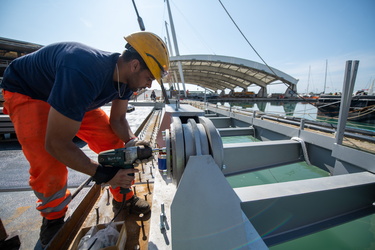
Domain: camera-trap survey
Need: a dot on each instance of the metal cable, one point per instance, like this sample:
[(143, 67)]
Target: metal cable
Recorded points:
[(304, 149), (243, 35)]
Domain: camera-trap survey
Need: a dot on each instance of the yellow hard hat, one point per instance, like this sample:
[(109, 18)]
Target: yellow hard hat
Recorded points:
[(152, 50)]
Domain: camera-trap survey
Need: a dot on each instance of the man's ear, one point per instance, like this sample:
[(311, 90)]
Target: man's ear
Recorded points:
[(135, 65)]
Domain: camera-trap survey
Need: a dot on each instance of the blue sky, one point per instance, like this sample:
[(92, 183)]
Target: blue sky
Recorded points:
[(290, 35)]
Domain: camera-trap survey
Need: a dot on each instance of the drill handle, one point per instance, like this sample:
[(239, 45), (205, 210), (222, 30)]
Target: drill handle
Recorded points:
[(127, 190)]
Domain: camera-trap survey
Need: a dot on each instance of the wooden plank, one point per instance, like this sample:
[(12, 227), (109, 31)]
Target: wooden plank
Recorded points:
[(138, 237), (65, 236), (3, 234)]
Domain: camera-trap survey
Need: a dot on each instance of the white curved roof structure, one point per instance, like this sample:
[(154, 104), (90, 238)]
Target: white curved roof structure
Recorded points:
[(223, 72)]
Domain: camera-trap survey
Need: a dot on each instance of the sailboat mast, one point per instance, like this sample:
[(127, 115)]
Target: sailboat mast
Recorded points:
[(371, 89), (169, 40), (308, 81), (325, 78)]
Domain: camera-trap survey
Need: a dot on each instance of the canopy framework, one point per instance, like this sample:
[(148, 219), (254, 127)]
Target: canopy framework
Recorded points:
[(222, 72)]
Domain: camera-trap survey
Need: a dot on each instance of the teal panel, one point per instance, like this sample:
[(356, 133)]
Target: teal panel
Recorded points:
[(291, 172), (358, 234), (238, 139)]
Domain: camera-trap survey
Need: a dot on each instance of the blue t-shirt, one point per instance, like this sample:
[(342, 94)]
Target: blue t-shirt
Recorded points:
[(73, 78)]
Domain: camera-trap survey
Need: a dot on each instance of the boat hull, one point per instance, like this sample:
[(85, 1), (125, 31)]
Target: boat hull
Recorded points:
[(362, 108)]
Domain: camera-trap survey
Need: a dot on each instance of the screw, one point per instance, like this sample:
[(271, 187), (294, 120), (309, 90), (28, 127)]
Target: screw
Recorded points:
[(148, 187), (151, 173), (162, 218), (108, 203), (97, 215), (143, 231), (143, 228), (162, 227), (162, 209)]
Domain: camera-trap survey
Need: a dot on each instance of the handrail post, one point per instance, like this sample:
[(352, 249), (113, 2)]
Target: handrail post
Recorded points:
[(346, 97)]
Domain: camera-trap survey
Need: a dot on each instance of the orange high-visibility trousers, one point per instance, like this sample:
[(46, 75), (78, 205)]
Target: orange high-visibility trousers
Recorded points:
[(48, 176)]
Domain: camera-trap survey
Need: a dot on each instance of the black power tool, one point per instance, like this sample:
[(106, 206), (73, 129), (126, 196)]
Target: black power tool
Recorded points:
[(125, 158)]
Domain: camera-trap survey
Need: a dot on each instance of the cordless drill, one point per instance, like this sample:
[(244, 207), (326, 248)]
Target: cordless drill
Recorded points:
[(124, 158)]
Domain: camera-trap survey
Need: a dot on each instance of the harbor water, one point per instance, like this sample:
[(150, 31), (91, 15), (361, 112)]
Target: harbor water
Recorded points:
[(358, 234), (303, 110)]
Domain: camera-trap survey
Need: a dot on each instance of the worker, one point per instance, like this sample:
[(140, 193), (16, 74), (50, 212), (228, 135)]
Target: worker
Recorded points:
[(55, 94), (153, 95)]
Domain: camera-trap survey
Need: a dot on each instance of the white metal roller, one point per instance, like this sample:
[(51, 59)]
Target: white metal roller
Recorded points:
[(214, 139), (178, 149), (190, 139), (196, 136), (204, 141), (168, 151)]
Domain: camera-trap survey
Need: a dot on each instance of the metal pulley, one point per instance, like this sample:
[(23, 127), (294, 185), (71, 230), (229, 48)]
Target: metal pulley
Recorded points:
[(197, 136)]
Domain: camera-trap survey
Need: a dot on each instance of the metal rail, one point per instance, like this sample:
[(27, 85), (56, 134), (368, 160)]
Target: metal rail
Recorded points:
[(355, 135)]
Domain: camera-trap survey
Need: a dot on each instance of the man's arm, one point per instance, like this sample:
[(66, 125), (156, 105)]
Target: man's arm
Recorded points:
[(119, 124), (60, 132)]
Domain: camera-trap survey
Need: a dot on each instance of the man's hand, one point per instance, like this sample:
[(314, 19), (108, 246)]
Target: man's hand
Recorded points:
[(115, 176), (123, 179), (136, 142)]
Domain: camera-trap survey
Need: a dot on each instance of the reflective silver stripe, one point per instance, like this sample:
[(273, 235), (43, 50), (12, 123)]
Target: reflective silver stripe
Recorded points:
[(59, 194), (60, 207), (45, 200)]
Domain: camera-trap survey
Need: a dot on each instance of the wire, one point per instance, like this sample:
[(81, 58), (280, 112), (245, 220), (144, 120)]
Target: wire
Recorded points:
[(243, 35), (246, 38), (366, 111), (121, 207), (195, 31)]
